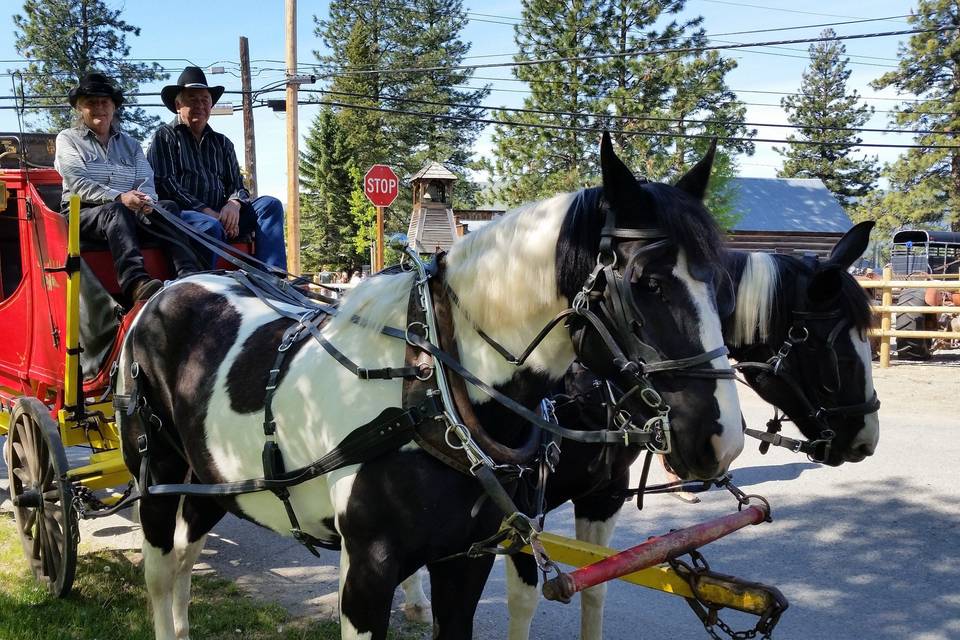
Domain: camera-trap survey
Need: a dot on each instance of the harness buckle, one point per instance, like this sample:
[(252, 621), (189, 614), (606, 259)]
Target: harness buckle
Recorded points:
[(803, 336), (406, 332)]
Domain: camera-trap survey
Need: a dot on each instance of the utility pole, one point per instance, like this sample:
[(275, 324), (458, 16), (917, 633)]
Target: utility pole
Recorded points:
[(249, 139), (293, 144)]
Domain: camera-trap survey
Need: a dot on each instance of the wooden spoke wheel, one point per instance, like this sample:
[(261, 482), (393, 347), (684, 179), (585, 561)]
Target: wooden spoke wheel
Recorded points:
[(42, 496)]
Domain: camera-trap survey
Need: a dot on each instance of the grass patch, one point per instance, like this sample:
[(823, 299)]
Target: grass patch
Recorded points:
[(109, 602)]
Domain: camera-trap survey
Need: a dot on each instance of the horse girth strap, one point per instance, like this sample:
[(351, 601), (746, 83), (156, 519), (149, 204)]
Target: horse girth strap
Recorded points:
[(387, 432)]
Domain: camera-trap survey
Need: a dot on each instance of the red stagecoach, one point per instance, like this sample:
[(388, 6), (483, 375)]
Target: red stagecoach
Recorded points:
[(53, 393)]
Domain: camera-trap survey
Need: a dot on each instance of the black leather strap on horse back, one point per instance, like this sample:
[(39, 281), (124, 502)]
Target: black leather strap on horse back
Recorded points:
[(389, 431)]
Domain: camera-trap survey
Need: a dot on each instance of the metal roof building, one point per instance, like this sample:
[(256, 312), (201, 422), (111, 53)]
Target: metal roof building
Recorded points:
[(786, 215)]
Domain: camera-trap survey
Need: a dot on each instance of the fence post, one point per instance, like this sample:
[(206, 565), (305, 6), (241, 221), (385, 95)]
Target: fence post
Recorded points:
[(887, 301)]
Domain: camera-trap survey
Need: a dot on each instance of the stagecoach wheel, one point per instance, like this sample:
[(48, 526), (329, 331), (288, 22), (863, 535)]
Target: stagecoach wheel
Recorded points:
[(41, 496)]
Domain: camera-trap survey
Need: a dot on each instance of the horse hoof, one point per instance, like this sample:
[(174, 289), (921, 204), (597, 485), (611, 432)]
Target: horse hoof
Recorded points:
[(418, 613), (686, 496)]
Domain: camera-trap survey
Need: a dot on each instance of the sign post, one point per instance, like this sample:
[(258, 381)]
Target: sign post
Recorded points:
[(381, 186)]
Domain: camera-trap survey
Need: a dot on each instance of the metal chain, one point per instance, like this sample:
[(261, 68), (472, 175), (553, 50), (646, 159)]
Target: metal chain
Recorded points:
[(84, 499), (710, 616)]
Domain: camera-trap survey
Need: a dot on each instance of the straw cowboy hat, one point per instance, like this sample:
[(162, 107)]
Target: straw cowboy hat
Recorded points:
[(191, 78), (95, 83)]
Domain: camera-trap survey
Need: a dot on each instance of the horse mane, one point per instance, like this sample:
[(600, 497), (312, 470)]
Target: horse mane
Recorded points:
[(756, 294), (853, 300), (377, 302), (767, 292), (506, 267), (682, 218)]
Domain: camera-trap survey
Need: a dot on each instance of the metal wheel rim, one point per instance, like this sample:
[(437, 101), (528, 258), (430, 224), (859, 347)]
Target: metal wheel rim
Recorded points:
[(48, 532)]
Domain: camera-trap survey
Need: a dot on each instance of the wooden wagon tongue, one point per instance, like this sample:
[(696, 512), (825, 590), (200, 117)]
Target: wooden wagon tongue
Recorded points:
[(652, 552)]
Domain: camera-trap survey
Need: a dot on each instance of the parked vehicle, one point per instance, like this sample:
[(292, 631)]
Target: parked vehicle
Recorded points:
[(921, 254)]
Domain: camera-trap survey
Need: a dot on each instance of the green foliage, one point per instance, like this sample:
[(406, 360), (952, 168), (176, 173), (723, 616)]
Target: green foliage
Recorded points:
[(63, 39), (328, 229), (668, 91), (368, 36), (822, 107), (925, 182), (363, 214), (109, 602)]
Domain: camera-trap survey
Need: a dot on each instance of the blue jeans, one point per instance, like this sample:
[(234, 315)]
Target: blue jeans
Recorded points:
[(208, 225), (269, 245)]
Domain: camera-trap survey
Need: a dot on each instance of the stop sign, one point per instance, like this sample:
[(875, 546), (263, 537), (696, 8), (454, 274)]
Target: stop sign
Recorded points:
[(381, 185)]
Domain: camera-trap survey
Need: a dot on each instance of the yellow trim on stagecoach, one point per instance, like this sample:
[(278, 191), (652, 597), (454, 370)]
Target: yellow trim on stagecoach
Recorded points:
[(71, 374)]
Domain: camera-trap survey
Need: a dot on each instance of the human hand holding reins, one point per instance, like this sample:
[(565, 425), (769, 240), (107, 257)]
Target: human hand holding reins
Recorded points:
[(136, 201), (230, 218)]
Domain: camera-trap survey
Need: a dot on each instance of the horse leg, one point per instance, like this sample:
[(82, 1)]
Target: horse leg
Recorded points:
[(158, 517), (368, 580), (197, 517), (596, 517), (456, 585), (416, 606), (522, 594)]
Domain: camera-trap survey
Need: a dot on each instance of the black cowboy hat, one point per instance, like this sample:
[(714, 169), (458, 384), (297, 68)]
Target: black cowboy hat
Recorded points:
[(191, 78), (95, 83)]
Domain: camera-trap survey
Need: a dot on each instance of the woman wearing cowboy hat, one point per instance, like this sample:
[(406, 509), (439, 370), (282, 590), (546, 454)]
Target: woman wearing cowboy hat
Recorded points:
[(108, 170)]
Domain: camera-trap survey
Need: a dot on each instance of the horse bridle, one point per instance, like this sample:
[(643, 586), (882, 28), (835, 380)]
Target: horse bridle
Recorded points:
[(609, 289), (798, 336)]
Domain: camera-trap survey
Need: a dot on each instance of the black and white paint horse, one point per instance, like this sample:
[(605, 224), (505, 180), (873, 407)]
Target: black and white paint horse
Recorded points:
[(203, 346), (776, 296)]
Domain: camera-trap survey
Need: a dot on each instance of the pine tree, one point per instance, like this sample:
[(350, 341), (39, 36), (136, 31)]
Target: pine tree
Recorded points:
[(531, 162), (827, 113), (925, 182), (644, 96), (365, 38), (64, 39), (425, 38), (327, 227)]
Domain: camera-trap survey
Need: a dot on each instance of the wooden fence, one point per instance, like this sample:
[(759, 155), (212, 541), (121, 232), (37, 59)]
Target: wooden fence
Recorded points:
[(887, 309)]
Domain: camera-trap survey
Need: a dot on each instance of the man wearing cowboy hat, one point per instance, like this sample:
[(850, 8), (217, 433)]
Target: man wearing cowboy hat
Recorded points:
[(197, 168), (108, 170)]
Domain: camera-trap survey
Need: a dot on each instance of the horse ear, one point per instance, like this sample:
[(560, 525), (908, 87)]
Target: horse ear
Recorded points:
[(695, 181), (826, 283), (618, 181), (852, 245)]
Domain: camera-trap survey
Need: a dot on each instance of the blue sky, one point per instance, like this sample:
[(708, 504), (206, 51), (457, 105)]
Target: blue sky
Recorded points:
[(178, 32)]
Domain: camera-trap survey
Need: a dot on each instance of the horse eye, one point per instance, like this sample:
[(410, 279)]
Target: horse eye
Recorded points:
[(651, 285)]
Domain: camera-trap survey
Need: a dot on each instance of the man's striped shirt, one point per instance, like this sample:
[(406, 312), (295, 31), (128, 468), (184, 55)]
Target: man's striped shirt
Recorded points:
[(100, 174), (195, 174)]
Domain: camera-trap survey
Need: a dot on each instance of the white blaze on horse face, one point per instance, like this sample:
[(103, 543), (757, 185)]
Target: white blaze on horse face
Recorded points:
[(728, 444), (866, 441)]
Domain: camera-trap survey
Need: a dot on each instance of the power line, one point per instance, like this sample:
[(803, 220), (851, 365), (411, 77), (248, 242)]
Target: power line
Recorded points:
[(571, 114), (631, 118), (759, 6), (649, 134), (642, 52)]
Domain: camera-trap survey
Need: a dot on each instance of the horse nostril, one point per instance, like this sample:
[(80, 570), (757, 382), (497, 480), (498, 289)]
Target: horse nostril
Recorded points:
[(863, 450)]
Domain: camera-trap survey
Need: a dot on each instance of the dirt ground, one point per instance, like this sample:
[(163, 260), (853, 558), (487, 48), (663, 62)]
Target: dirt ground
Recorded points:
[(929, 384)]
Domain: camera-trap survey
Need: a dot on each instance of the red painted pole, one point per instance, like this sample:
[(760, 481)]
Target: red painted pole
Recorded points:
[(652, 552)]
